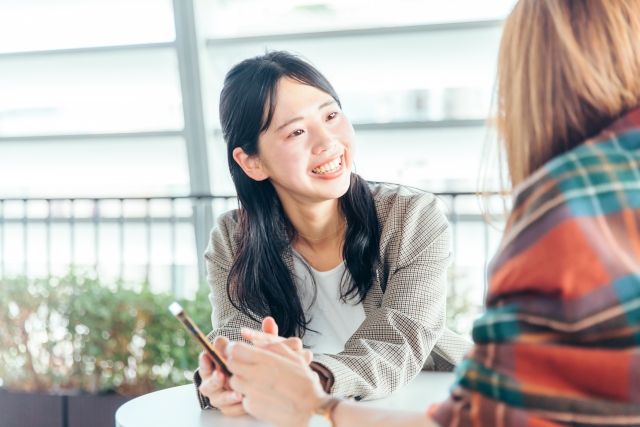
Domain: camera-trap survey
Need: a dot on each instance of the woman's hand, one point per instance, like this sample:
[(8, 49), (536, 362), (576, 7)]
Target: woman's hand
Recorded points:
[(269, 335), (215, 384), (276, 381)]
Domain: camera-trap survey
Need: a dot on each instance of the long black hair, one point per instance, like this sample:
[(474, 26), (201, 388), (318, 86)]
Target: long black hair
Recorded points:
[(259, 283)]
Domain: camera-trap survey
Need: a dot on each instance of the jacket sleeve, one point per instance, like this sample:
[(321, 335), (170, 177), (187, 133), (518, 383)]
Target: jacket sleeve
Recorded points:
[(393, 343), (225, 318)]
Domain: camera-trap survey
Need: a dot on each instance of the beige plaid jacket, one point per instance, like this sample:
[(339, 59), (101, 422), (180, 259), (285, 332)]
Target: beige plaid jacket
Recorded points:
[(404, 330)]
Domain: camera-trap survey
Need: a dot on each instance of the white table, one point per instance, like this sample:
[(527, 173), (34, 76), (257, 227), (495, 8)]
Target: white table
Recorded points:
[(178, 406)]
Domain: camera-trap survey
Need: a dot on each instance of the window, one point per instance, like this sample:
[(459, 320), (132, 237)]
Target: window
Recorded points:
[(101, 92), (36, 25), (223, 18)]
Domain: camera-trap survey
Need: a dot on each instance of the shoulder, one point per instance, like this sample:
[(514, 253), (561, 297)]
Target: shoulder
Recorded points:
[(399, 202), (228, 221), (410, 220), (223, 239)]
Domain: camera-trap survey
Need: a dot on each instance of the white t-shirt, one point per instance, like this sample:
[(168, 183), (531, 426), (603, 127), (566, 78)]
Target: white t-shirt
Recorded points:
[(333, 320)]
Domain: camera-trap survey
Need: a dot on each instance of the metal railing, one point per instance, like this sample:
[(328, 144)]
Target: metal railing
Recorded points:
[(53, 212), (89, 216)]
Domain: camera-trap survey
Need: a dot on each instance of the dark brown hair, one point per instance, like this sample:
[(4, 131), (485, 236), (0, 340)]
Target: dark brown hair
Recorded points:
[(259, 283)]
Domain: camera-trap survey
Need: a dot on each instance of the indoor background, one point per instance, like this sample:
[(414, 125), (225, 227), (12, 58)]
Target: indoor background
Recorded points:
[(111, 157)]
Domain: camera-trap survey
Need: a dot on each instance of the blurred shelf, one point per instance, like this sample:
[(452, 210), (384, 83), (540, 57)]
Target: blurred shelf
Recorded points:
[(81, 50), (420, 124), (378, 31), (90, 136)]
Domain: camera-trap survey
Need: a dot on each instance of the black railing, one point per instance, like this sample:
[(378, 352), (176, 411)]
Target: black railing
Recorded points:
[(91, 216)]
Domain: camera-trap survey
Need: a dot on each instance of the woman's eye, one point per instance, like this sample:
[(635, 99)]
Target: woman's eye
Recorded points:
[(332, 116), (297, 132)]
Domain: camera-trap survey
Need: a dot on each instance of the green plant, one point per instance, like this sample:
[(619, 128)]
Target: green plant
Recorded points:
[(76, 334)]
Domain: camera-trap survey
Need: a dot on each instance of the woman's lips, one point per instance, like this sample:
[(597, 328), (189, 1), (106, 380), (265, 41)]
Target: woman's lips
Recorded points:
[(332, 169), (328, 166)]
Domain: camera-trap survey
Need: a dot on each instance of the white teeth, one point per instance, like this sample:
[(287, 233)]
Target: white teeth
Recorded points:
[(328, 167)]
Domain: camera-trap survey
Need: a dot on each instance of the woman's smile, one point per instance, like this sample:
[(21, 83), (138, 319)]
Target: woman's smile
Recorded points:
[(329, 169)]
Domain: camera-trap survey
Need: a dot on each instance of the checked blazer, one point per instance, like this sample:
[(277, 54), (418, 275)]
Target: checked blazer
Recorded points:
[(404, 330)]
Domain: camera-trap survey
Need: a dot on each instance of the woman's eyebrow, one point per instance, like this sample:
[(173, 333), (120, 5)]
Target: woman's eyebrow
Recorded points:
[(329, 102), (288, 122), (295, 119)]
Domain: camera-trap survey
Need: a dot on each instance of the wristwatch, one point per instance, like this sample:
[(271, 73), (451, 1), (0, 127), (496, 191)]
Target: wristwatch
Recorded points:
[(321, 416)]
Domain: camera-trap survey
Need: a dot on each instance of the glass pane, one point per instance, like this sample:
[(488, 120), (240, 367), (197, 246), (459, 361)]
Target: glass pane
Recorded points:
[(436, 160), (421, 76), (256, 17), (450, 103), (124, 167), (28, 25), (127, 91)]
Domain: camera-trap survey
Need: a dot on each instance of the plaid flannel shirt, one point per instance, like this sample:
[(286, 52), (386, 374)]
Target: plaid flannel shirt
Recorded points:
[(404, 329), (560, 341)]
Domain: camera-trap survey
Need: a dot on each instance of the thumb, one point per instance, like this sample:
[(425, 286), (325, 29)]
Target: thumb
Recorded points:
[(269, 326), (308, 356)]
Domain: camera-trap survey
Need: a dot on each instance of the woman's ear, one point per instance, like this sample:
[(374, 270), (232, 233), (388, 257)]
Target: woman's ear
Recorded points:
[(250, 165)]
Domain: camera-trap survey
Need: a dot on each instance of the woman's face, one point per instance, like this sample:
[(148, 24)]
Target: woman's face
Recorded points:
[(307, 152)]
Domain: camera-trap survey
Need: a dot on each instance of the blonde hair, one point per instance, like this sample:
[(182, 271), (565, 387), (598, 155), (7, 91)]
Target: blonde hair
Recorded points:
[(566, 69)]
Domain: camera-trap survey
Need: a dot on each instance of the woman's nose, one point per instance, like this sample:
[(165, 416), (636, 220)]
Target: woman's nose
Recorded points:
[(323, 140)]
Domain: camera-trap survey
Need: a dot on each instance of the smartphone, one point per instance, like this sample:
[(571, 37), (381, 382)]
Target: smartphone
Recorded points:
[(177, 311)]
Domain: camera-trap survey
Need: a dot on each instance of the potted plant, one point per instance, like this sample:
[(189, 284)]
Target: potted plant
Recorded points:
[(73, 349)]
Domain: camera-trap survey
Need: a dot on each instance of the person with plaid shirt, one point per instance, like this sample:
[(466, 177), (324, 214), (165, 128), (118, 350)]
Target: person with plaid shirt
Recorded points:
[(559, 343)]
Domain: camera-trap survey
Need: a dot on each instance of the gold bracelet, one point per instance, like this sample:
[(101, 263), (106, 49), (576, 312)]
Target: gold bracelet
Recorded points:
[(326, 409)]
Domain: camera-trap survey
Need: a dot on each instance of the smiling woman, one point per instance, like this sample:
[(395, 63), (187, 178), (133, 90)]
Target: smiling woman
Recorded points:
[(355, 269)]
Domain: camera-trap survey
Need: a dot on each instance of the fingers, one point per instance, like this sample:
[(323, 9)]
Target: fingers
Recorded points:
[(294, 344), (269, 332), (269, 326), (244, 353), (257, 337), (224, 398), (249, 355), (212, 385), (228, 398), (220, 343), (253, 363), (261, 365), (228, 401), (206, 366), (308, 356), (261, 339), (233, 410), (239, 384), (283, 349)]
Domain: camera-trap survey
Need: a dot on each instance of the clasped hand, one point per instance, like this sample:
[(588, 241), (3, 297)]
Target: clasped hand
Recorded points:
[(258, 385)]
